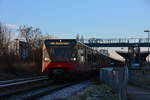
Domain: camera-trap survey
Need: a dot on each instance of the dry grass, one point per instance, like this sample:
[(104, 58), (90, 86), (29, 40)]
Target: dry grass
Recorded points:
[(95, 92), (22, 69)]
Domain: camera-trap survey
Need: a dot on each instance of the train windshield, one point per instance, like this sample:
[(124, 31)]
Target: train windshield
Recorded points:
[(60, 54), (61, 50)]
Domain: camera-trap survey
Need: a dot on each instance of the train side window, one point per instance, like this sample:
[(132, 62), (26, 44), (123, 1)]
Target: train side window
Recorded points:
[(81, 52), (81, 55), (89, 58)]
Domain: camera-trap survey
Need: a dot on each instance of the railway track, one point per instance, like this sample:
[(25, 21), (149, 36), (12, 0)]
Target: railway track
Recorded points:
[(18, 86), (29, 89), (22, 79)]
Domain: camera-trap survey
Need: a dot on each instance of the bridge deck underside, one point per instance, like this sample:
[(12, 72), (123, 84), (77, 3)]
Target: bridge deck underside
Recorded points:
[(126, 55)]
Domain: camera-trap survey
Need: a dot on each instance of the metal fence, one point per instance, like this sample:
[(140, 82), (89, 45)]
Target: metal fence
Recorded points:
[(117, 78), (140, 77)]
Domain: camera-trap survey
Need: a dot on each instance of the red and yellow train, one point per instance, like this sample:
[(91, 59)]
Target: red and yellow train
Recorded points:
[(68, 56)]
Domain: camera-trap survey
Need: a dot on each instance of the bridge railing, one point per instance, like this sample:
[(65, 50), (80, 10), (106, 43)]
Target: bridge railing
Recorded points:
[(121, 40)]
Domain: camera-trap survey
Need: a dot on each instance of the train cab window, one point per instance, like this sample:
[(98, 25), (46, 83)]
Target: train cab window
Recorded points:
[(60, 53), (73, 54)]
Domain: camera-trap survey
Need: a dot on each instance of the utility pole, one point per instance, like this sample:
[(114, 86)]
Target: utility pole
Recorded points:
[(148, 31)]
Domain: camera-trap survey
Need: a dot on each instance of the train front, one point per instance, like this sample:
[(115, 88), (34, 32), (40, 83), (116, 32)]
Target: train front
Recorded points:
[(59, 57)]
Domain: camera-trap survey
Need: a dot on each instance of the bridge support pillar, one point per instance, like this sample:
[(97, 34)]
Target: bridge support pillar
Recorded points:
[(134, 57)]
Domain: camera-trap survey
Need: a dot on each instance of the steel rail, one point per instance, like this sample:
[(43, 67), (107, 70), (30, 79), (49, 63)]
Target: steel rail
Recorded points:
[(10, 89), (20, 79), (23, 81), (40, 91)]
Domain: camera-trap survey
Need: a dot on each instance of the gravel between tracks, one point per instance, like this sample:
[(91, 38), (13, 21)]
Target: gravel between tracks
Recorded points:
[(66, 92), (84, 91)]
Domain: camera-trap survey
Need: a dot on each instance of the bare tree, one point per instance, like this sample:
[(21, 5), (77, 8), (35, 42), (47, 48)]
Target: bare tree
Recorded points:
[(6, 59), (4, 38), (33, 36), (77, 37), (47, 36), (1, 35), (82, 39)]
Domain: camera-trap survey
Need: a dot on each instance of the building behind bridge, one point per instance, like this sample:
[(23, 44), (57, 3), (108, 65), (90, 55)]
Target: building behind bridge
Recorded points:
[(19, 48)]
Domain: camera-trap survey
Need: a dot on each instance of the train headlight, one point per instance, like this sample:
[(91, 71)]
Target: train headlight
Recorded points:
[(46, 59), (74, 59)]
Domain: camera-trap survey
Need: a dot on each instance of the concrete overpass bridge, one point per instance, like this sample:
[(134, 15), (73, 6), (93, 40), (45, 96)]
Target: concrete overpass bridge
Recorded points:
[(133, 56)]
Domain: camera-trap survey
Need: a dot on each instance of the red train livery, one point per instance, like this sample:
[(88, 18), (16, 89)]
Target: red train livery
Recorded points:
[(68, 56)]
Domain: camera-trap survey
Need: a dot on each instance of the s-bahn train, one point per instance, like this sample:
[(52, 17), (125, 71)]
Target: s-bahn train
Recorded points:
[(67, 57)]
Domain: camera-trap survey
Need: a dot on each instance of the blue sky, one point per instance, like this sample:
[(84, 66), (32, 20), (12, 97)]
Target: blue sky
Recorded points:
[(90, 18)]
